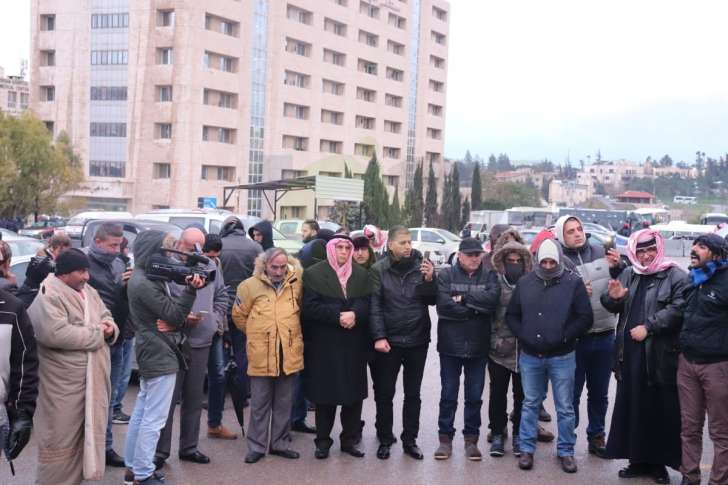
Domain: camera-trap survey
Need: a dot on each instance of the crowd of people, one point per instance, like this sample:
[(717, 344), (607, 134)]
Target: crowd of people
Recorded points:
[(285, 333)]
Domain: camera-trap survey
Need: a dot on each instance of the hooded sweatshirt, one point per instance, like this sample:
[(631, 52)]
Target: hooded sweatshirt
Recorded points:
[(266, 228), (591, 264)]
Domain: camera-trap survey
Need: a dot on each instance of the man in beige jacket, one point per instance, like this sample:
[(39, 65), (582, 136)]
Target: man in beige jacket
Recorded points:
[(72, 328)]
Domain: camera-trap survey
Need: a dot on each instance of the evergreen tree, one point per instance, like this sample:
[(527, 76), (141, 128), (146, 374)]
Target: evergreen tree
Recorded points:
[(413, 207), (466, 213), (476, 194), (456, 200), (347, 171), (376, 200), (446, 208), (468, 157), (395, 211), (430, 211), (492, 163)]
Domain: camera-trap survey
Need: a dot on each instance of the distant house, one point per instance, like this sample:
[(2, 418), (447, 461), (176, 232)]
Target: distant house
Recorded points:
[(636, 197)]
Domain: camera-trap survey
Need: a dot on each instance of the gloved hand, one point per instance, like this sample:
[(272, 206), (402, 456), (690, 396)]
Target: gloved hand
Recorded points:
[(21, 425)]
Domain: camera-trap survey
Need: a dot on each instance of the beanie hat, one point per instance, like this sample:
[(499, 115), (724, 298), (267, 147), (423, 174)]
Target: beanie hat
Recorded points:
[(72, 260), (714, 242), (360, 242), (549, 250)]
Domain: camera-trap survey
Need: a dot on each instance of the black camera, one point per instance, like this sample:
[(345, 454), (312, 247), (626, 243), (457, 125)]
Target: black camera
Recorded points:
[(161, 267)]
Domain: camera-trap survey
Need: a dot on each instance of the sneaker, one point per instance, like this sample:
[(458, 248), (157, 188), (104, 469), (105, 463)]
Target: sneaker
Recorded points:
[(129, 477), (516, 445), (496, 448), (120, 417)]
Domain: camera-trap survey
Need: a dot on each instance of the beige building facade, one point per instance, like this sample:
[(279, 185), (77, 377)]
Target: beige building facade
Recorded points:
[(14, 94), (168, 101)]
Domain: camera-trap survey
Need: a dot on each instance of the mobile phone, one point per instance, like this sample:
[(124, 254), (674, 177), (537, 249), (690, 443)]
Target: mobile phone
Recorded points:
[(427, 255)]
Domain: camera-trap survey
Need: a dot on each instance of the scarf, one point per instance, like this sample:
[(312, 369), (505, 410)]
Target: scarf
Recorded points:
[(703, 273), (659, 263), (100, 255), (343, 272)]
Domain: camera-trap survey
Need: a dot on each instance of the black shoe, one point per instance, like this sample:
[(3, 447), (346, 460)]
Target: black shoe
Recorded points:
[(129, 477), (195, 457), (598, 445), (413, 450), (159, 462), (525, 461), (253, 457), (543, 415), (290, 454), (302, 427), (497, 448), (383, 452), (516, 444), (120, 417), (659, 474), (568, 464), (114, 460), (685, 481), (633, 470), (353, 451), (321, 453)]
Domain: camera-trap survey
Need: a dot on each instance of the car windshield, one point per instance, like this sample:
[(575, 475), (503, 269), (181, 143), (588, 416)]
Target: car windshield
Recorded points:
[(277, 235), (447, 235), (77, 221), (24, 247), (38, 225)]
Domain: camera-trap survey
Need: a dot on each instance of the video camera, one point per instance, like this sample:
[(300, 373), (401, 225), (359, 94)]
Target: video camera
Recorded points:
[(163, 268)]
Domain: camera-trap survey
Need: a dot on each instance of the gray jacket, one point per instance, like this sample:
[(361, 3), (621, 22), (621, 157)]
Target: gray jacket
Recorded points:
[(237, 259)]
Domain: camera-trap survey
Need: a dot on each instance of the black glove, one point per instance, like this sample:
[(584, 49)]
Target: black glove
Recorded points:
[(21, 425)]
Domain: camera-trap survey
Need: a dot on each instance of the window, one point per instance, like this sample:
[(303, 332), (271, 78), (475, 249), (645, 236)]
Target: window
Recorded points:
[(434, 109), (332, 117), (329, 174), (165, 18), (369, 10), (392, 126), (397, 21), (368, 67), (164, 94), (162, 170), (365, 122), (434, 133), (298, 14), (298, 143), (395, 74), (165, 55), (391, 152), (24, 98), (331, 146), (163, 131), (343, 3), (338, 28), (437, 37), (299, 47), (395, 47), (439, 13), (332, 87), (391, 180), (432, 157), (431, 237), (104, 168), (50, 126), (12, 99), (337, 58), (366, 94), (437, 86), (294, 211), (222, 25), (393, 100), (108, 93), (363, 149), (368, 38), (47, 58), (109, 57), (221, 99), (47, 93), (220, 62), (217, 172), (218, 134), (437, 62), (297, 111), (297, 79), (292, 174), (48, 22), (108, 129), (109, 21)]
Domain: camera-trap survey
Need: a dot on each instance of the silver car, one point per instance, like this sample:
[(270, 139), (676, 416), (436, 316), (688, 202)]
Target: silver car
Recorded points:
[(441, 244)]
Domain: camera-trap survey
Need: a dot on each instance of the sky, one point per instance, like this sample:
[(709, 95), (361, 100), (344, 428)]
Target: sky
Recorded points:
[(563, 78)]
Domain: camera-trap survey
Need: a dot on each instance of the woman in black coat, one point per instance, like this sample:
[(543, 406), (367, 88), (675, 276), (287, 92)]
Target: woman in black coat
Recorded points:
[(335, 317)]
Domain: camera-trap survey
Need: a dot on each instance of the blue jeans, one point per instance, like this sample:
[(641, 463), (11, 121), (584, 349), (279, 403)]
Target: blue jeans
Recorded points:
[(117, 363), (118, 391), (147, 420), (216, 382), (535, 375), (299, 410), (450, 369), (241, 359), (594, 356)]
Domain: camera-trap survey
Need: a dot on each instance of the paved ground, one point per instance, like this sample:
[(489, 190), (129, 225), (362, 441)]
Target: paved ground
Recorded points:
[(228, 467)]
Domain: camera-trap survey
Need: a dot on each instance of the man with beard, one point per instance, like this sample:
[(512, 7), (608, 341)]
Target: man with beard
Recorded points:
[(309, 230), (648, 296), (702, 375)]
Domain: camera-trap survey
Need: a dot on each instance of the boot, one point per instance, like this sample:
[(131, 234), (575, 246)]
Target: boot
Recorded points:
[(544, 436), (598, 446), (472, 452), (220, 433), (444, 451), (496, 447)]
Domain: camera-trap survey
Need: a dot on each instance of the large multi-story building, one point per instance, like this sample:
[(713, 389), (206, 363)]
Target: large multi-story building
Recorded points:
[(14, 94), (168, 101)]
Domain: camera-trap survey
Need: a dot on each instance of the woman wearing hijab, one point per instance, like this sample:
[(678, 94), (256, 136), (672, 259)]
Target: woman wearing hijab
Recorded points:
[(335, 318), (648, 296)]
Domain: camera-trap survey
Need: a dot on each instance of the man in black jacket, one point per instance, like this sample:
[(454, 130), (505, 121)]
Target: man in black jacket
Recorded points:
[(548, 312), (702, 375), (467, 296), (108, 276), (403, 287), (18, 373)]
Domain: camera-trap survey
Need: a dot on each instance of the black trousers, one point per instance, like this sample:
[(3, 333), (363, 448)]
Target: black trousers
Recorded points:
[(498, 401), (350, 424), (386, 370)]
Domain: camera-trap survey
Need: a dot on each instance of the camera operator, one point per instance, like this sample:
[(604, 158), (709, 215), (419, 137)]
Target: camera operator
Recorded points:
[(157, 355)]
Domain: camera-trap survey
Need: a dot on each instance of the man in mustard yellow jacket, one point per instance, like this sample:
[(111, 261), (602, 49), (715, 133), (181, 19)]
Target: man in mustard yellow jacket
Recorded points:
[(267, 309)]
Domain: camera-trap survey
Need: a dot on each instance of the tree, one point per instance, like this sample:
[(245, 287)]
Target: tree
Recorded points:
[(666, 161), (347, 171), (413, 206), (466, 213), (430, 211), (545, 188), (492, 163), (504, 163), (376, 199), (476, 189), (468, 157), (34, 171), (395, 211), (446, 206), (454, 216)]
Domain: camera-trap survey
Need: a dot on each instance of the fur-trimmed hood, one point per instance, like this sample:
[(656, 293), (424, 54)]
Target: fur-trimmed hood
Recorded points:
[(294, 268), (511, 246), (513, 233)]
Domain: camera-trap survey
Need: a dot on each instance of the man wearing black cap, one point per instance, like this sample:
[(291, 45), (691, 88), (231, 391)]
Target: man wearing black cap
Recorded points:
[(467, 296), (703, 365)]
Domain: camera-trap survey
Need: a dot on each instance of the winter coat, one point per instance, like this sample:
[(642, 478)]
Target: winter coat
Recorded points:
[(266, 228), (238, 260), (548, 317), (664, 300), (106, 278), (270, 319), (39, 267), (498, 231), (152, 300), (463, 329), (704, 335), (399, 302), (335, 357)]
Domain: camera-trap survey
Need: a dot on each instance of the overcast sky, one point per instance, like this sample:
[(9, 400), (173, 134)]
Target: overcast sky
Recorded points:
[(537, 78)]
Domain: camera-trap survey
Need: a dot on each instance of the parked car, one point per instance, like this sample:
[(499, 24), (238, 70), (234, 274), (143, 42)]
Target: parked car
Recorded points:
[(441, 244), (291, 228), (18, 266), (22, 246), (42, 229), (210, 219), (7, 233), (74, 227), (132, 228)]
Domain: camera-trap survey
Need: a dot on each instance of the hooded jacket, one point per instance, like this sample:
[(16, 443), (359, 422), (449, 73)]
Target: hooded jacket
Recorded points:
[(591, 264), (704, 334), (495, 233), (237, 256), (314, 251), (105, 271), (149, 301), (265, 228)]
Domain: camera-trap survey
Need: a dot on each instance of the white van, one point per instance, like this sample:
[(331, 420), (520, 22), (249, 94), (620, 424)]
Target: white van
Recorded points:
[(210, 219)]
